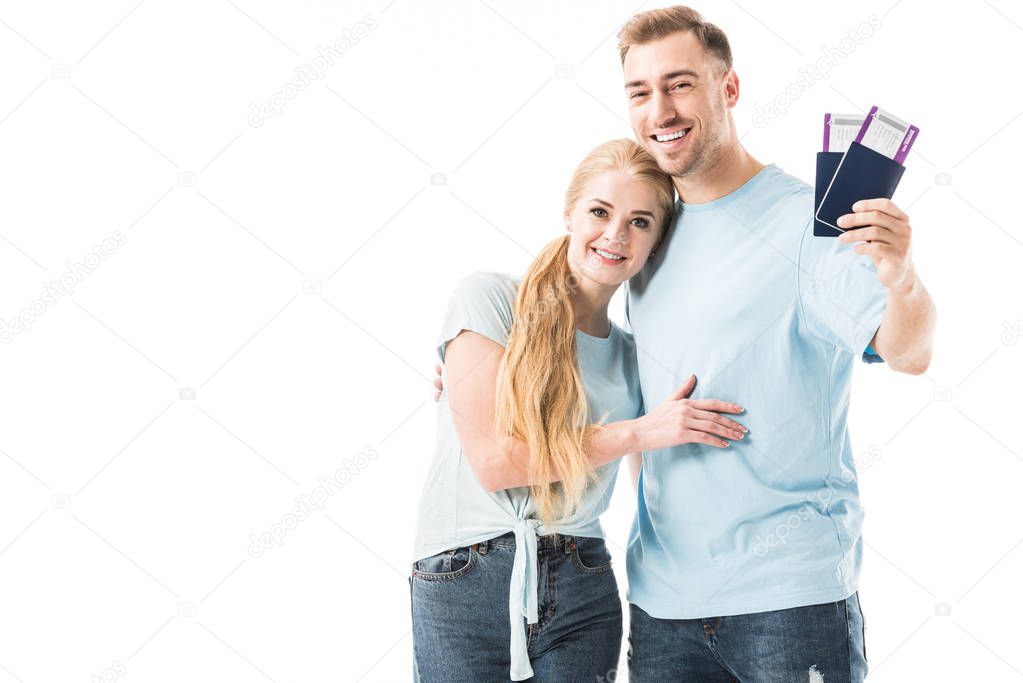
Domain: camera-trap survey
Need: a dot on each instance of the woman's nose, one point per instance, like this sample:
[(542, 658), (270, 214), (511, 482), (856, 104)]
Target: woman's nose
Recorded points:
[(615, 235)]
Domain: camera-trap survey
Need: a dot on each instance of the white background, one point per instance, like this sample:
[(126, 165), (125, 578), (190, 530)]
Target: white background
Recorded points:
[(128, 502)]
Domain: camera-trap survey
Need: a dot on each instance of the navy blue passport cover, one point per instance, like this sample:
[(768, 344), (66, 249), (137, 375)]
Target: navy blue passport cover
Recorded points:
[(862, 173), (827, 162)]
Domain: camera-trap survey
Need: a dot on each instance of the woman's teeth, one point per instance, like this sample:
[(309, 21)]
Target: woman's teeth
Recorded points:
[(609, 255)]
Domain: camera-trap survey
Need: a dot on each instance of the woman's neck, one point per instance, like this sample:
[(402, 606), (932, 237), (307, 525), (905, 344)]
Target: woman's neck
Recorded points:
[(590, 301)]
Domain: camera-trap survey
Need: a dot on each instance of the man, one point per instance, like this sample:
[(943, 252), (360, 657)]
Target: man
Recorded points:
[(744, 564)]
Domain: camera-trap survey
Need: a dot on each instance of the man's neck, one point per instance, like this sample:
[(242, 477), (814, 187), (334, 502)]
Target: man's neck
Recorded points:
[(731, 170)]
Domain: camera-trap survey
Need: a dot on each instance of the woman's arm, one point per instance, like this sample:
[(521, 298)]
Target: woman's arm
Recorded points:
[(500, 461)]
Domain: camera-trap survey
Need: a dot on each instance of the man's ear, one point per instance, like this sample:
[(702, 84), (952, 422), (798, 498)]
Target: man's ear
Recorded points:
[(731, 85)]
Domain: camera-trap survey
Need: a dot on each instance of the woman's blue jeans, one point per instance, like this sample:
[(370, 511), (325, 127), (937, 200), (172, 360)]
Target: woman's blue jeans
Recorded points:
[(460, 625)]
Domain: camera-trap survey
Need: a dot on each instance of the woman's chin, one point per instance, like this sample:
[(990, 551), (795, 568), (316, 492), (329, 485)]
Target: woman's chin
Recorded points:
[(609, 279)]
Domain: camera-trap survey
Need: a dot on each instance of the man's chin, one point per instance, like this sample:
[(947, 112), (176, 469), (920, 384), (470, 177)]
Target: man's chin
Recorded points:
[(674, 166)]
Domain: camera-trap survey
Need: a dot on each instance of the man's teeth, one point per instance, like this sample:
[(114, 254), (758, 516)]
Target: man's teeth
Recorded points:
[(673, 136), (609, 255)]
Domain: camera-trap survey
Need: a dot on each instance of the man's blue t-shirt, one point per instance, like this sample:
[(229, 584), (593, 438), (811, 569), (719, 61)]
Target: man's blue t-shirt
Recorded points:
[(767, 316)]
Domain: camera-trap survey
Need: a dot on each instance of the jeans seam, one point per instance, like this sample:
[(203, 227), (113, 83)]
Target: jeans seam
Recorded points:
[(848, 638), (552, 593), (863, 629), (412, 614), (719, 660)]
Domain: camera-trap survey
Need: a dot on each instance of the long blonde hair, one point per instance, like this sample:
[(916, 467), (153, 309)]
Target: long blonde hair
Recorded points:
[(540, 397)]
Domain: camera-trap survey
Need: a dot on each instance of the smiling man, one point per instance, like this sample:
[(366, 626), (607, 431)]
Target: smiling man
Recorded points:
[(744, 564)]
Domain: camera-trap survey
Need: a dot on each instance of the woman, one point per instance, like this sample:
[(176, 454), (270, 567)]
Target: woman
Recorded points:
[(511, 576)]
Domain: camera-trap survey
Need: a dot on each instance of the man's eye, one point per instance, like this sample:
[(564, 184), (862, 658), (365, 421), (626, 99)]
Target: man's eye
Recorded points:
[(595, 209), (636, 94), (683, 85)]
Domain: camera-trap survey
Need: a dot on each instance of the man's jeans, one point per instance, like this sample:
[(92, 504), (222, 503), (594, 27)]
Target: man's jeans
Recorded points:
[(460, 627), (818, 644)]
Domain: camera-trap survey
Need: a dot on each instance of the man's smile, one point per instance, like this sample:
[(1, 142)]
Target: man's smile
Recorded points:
[(672, 139)]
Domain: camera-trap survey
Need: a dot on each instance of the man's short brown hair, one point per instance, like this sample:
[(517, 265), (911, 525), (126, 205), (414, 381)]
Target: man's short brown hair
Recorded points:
[(659, 23)]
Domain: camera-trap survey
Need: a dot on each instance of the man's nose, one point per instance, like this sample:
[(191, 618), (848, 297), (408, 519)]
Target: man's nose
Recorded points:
[(663, 112)]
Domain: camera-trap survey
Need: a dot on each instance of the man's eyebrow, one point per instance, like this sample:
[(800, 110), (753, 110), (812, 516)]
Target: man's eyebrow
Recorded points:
[(611, 206), (665, 77)]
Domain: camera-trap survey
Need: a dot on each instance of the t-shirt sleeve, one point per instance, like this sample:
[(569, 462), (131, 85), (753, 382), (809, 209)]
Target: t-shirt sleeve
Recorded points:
[(481, 303), (841, 299)]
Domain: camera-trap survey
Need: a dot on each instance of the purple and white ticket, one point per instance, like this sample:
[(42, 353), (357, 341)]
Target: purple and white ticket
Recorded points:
[(840, 130), (887, 134)]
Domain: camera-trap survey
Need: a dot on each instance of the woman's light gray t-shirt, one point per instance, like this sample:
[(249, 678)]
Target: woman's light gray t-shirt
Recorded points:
[(455, 510)]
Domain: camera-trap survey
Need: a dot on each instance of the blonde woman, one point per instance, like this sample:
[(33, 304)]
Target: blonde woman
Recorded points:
[(511, 577)]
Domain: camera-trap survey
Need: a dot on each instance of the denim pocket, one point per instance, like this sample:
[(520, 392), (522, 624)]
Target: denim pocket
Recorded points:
[(590, 555), (445, 566)]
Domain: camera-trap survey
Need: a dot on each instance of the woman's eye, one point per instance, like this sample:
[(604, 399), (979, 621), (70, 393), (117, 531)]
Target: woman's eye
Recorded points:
[(643, 223), (595, 209)]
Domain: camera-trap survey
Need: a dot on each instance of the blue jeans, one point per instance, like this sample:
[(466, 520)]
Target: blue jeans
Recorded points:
[(460, 628), (783, 645)]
